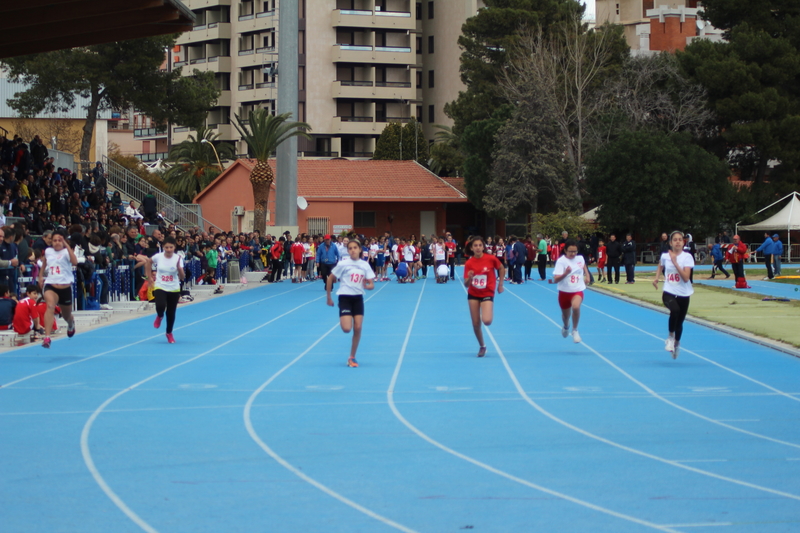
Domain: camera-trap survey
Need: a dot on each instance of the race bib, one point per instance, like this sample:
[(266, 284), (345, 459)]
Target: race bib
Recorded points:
[(673, 278), (356, 278), (574, 279), (168, 279), (55, 270), (479, 281)]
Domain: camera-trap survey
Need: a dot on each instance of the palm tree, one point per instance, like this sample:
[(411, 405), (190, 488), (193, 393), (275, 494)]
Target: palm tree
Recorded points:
[(263, 133), (195, 164)]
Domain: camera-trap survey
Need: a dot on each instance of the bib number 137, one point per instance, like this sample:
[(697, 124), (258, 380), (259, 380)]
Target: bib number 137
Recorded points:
[(356, 278)]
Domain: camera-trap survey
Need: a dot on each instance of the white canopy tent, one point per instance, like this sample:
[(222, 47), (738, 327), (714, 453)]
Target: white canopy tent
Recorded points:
[(591, 215), (787, 219)]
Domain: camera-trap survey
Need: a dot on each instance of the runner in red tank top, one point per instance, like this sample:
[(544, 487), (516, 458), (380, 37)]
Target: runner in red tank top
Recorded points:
[(480, 279)]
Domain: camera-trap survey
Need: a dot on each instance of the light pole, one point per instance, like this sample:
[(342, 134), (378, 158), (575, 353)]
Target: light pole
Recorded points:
[(206, 141)]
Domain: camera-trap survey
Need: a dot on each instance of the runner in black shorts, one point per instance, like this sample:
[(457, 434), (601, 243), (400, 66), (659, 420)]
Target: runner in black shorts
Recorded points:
[(354, 276)]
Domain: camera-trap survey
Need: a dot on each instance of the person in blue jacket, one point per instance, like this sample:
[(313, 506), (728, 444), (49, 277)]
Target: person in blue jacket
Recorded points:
[(766, 249), (777, 252), (327, 257), (719, 259)]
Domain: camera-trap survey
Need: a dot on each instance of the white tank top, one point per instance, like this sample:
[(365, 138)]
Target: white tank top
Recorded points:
[(167, 272), (59, 267)]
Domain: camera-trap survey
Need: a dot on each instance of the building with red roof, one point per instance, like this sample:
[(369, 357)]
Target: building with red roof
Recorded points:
[(368, 197)]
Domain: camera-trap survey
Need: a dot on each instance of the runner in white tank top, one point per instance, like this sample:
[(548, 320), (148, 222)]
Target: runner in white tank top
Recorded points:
[(169, 274), (57, 263)]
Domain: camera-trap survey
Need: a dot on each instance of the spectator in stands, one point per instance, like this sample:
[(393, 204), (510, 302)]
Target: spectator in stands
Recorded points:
[(9, 259), (132, 212), (43, 242), (7, 307), (150, 207)]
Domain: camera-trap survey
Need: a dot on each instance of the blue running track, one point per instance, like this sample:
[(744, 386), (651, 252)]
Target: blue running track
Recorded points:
[(252, 422)]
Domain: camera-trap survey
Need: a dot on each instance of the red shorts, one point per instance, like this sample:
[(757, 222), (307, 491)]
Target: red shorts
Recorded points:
[(602, 264), (565, 298)]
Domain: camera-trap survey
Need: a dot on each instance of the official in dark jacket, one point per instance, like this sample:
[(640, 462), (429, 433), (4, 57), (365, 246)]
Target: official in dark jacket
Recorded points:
[(629, 257), (613, 253)]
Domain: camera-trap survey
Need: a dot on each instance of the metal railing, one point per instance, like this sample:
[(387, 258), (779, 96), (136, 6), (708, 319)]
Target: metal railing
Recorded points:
[(185, 216)]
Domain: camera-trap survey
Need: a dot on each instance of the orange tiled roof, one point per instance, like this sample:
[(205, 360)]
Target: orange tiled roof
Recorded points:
[(378, 180), (458, 183)]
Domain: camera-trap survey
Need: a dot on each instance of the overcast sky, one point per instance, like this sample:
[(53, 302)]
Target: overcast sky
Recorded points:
[(589, 6)]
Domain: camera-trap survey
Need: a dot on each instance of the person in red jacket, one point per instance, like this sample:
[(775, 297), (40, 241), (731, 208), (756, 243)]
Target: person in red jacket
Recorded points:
[(736, 254), (298, 252), (276, 260), (480, 279), (26, 314)]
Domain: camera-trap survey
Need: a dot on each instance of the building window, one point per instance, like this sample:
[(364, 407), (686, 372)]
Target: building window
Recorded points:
[(419, 114), (430, 44), (430, 10), (430, 79), (431, 116), (419, 10), (419, 79), (363, 219), (419, 45)]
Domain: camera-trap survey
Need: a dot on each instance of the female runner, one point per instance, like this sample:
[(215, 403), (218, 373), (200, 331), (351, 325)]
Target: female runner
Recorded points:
[(169, 274), (570, 273), (480, 280), (677, 266), (57, 263), (354, 275)]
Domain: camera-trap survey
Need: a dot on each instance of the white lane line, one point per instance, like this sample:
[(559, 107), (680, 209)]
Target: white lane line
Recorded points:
[(423, 436), (701, 524), (248, 424), (6, 385), (739, 420), (700, 460), (663, 399), (87, 455), (613, 443), (732, 371)]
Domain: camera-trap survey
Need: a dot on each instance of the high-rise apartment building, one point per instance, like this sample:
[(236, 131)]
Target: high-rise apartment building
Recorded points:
[(363, 64)]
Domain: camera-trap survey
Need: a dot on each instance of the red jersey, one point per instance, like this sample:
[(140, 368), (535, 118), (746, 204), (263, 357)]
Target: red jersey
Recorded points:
[(484, 281), (24, 315), (276, 250), (451, 248), (601, 256), (41, 307), (298, 252)]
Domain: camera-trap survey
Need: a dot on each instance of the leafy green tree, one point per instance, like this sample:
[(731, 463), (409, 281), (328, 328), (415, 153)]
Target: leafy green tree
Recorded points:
[(486, 39), (263, 133), (652, 182), (195, 164), (114, 75), (446, 157), (388, 144), (529, 163), (553, 224), (751, 81), (477, 144), (400, 143)]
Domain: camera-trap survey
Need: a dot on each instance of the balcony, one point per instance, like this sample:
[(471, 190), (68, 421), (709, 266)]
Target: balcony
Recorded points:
[(367, 90), (384, 20), (257, 21), (358, 155), (199, 4), (227, 132), (206, 32), (317, 154), (151, 157), (255, 57), (149, 133), (224, 99), (257, 92), (354, 125), (390, 55), (211, 64)]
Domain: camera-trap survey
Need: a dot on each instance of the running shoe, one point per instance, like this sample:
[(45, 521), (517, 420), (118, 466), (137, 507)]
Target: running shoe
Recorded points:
[(676, 350), (670, 344), (576, 337), (157, 322), (482, 351), (564, 332), (352, 363), (71, 329), (170, 338), (46, 342)]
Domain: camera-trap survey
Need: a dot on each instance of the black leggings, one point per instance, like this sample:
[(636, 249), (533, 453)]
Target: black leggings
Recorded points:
[(167, 301), (678, 307)]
